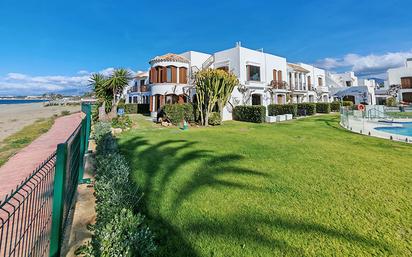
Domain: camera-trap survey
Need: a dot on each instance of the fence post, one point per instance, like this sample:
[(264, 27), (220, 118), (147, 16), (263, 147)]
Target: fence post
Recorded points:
[(82, 150), (87, 109), (58, 200)]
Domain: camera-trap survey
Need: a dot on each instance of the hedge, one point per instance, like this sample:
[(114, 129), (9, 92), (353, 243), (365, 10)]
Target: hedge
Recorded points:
[(323, 107), (347, 103), (177, 112), (250, 113), (119, 229), (130, 108), (335, 106), (280, 109), (305, 109)]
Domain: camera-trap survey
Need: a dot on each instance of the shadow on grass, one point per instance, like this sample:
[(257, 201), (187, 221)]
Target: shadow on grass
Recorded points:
[(161, 166)]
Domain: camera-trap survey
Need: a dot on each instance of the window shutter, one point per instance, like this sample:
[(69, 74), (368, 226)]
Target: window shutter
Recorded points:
[(164, 74), (274, 74), (182, 75), (280, 76), (174, 74)]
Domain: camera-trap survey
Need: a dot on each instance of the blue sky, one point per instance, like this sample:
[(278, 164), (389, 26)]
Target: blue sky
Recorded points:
[(52, 45)]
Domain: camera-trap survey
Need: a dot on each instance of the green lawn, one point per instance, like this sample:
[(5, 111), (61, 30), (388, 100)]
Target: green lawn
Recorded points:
[(299, 188), (400, 114)]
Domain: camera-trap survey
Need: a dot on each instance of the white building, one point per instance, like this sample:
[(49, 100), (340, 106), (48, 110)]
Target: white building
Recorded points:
[(350, 88), (263, 79), (403, 77)]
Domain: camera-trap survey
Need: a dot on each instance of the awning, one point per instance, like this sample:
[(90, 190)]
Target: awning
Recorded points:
[(360, 90)]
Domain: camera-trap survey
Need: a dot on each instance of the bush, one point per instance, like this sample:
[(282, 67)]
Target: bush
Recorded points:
[(95, 113), (100, 130), (178, 112), (119, 228), (280, 109), (65, 113), (215, 119), (121, 104), (250, 113), (391, 101), (323, 107), (130, 108), (335, 106), (305, 109), (122, 122), (347, 103)]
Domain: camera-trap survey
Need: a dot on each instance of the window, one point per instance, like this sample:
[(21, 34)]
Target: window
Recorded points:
[(406, 82), (225, 68), (172, 99), (320, 82), (256, 99), (348, 83), (142, 82), (169, 74), (253, 73)]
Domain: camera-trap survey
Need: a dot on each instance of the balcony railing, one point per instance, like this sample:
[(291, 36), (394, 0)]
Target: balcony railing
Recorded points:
[(142, 88), (275, 84)]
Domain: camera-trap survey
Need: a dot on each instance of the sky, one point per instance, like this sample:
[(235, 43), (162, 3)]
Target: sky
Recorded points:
[(54, 45)]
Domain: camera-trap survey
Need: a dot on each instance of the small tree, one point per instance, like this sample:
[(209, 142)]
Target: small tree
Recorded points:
[(107, 90), (213, 87)]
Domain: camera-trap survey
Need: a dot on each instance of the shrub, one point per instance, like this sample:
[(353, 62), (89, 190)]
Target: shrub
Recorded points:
[(121, 104), (177, 112), (335, 106), (305, 109), (250, 113), (95, 113), (65, 113), (391, 101), (119, 229), (101, 129), (323, 107), (280, 109), (347, 103), (122, 122), (130, 108), (215, 119)]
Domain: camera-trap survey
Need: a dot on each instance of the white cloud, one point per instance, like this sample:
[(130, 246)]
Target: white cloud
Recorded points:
[(24, 84), (368, 65)]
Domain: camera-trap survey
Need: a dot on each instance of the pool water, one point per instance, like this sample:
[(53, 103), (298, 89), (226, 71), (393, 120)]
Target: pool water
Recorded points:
[(405, 130)]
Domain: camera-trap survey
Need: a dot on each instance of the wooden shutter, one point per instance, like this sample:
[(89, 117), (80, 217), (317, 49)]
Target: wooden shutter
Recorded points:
[(280, 76), (182, 75), (274, 74), (164, 75), (174, 74), (152, 75)]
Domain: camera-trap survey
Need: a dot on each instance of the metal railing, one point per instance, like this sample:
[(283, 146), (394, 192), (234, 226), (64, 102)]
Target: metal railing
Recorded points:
[(33, 217)]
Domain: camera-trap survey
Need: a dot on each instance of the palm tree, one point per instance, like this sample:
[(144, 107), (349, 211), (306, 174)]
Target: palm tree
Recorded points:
[(104, 96), (116, 82)]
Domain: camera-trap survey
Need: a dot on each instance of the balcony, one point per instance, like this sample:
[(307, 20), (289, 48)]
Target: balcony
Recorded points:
[(322, 89), (142, 88), (281, 85)]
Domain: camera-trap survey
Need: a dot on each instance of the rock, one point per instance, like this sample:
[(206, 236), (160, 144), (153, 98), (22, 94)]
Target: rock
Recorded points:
[(116, 131)]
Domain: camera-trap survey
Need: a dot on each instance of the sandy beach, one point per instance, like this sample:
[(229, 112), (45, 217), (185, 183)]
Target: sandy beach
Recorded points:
[(13, 117)]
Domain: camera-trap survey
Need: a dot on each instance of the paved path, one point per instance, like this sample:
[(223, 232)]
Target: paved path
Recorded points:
[(30, 157)]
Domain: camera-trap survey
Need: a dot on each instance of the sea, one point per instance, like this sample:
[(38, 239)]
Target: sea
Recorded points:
[(20, 101)]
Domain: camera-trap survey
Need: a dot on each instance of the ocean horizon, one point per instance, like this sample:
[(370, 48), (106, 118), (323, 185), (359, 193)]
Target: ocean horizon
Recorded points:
[(20, 101)]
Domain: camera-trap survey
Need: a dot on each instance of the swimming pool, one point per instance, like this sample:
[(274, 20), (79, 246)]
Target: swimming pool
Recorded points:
[(402, 128)]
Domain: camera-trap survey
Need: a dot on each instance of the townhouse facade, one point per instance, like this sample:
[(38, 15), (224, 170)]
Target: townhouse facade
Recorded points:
[(403, 78), (263, 79)]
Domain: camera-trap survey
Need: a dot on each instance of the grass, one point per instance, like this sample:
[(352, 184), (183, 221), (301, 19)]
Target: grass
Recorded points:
[(299, 188), (400, 114), (12, 144)]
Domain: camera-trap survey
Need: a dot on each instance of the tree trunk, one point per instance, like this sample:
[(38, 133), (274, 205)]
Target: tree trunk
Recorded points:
[(206, 119), (102, 113), (113, 113)]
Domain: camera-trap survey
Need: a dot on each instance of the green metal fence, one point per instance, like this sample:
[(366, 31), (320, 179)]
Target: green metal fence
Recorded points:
[(33, 217)]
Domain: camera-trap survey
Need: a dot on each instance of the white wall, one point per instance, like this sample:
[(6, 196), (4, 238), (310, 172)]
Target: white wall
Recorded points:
[(395, 75), (195, 58)]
